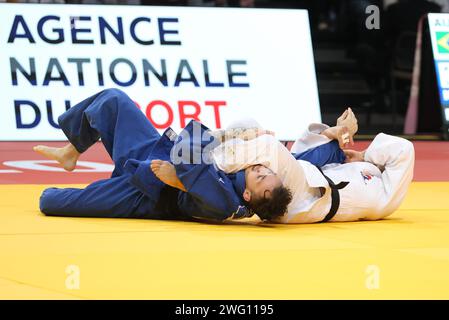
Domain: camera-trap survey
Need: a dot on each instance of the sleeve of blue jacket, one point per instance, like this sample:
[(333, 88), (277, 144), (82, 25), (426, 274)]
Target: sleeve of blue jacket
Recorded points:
[(324, 154), (210, 193)]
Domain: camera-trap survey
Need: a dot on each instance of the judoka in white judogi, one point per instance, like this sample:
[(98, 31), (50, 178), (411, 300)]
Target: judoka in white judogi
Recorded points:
[(376, 186)]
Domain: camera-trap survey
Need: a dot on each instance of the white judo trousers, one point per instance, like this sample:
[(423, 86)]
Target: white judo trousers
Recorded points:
[(376, 187)]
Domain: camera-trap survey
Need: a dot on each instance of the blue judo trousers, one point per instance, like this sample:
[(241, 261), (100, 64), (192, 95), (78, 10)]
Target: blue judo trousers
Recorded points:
[(133, 191)]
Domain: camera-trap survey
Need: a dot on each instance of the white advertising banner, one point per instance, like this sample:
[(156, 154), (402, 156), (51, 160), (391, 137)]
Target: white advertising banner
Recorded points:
[(215, 65)]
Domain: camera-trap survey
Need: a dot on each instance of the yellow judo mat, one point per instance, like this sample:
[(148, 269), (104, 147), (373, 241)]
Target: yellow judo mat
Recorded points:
[(403, 257)]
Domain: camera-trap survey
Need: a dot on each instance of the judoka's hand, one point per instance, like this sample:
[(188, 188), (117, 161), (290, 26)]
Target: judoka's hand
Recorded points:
[(349, 120), (341, 134), (354, 156)]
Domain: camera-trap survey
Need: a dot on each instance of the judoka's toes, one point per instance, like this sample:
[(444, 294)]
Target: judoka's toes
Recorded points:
[(155, 166), (40, 148), (48, 152), (160, 170), (66, 159), (156, 162), (167, 174)]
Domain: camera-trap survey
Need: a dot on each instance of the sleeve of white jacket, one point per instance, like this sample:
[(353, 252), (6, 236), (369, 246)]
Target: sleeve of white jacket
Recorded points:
[(235, 155), (310, 138)]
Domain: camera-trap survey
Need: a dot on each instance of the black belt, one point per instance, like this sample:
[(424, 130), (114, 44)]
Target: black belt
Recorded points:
[(335, 196)]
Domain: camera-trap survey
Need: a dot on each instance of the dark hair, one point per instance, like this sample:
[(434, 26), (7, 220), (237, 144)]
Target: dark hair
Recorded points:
[(275, 206)]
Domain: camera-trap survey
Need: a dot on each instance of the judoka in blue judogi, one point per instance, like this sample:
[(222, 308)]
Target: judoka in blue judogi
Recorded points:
[(133, 191)]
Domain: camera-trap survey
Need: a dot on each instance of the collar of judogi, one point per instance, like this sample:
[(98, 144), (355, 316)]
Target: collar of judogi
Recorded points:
[(239, 183)]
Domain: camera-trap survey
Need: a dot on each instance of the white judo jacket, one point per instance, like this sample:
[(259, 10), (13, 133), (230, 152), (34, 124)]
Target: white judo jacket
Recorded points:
[(376, 187)]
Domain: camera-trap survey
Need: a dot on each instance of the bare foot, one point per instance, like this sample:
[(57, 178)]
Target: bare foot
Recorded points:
[(66, 156), (166, 172)]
